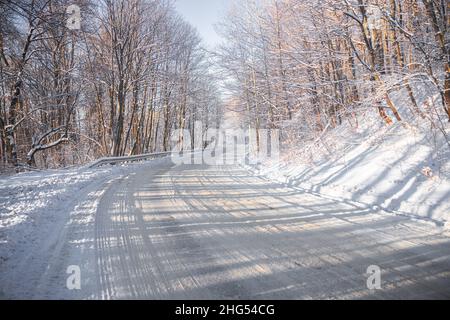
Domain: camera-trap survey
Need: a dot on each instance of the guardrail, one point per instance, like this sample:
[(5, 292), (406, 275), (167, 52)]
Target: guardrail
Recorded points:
[(116, 160), (143, 157)]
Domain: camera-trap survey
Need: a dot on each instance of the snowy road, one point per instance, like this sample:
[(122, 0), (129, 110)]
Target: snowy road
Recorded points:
[(199, 232)]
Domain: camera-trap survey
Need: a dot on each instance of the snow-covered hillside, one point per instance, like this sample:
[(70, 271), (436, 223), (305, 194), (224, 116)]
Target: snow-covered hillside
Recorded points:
[(403, 168)]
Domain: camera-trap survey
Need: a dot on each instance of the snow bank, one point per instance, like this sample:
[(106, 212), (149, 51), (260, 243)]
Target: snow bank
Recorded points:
[(403, 169), (35, 205), (28, 196)]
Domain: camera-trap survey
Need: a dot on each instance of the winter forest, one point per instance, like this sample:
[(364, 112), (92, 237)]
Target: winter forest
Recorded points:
[(135, 71), (117, 86), (306, 66)]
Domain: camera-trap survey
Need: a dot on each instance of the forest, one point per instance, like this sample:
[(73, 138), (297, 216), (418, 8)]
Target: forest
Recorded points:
[(306, 67), (118, 85), (134, 71)]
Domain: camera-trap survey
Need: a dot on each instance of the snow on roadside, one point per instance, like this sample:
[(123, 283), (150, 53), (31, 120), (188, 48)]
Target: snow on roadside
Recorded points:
[(403, 169), (35, 204), (24, 197)]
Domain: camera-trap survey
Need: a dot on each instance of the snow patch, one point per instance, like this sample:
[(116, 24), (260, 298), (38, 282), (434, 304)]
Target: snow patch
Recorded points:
[(36, 207), (401, 168)]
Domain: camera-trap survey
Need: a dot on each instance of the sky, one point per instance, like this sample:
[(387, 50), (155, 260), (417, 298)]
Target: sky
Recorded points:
[(203, 14)]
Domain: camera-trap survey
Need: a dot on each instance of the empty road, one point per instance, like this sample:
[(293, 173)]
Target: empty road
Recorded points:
[(218, 232)]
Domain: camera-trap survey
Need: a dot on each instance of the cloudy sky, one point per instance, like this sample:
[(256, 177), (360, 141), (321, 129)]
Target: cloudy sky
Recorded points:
[(203, 14)]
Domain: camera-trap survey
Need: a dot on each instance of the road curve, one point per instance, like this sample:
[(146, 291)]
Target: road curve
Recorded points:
[(218, 232)]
